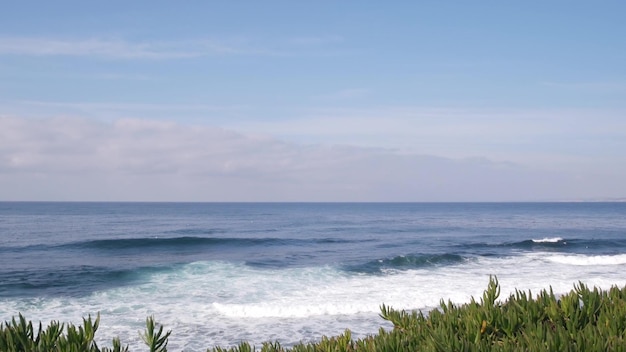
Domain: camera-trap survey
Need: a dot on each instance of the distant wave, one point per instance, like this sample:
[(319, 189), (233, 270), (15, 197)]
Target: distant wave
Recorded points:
[(178, 242), (548, 240), (543, 243), (18, 249), (551, 242), (193, 241), (196, 231), (173, 242), (140, 242), (85, 277), (406, 262), (587, 260), (573, 245), (550, 245)]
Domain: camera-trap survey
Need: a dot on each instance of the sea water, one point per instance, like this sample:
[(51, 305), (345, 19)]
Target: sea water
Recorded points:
[(220, 273)]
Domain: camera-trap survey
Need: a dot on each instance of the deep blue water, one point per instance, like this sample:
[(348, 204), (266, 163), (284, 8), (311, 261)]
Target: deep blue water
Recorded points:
[(109, 252)]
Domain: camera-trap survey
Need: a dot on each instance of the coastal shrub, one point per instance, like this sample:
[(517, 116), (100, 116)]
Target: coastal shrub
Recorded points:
[(156, 340), (582, 320), (19, 335)]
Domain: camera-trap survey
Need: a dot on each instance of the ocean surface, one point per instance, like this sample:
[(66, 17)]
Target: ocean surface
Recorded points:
[(216, 274)]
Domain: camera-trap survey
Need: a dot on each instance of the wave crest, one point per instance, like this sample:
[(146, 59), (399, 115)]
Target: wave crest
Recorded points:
[(170, 242), (548, 240), (406, 262), (587, 260)]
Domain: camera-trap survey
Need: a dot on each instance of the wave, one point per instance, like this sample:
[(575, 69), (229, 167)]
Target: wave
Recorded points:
[(196, 231), (548, 240), (172, 242), (135, 243), (407, 262), (524, 244), (82, 279), (180, 241), (512, 248), (573, 245), (195, 241), (587, 260), (545, 243), (541, 243)]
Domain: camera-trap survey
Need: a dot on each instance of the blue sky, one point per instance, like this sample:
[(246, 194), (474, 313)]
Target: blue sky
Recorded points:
[(312, 101)]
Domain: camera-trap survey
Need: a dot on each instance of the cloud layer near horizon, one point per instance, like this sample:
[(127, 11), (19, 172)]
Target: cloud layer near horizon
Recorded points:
[(133, 159)]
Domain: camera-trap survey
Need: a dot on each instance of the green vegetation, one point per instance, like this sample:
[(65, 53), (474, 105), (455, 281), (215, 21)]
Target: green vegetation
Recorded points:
[(583, 320), (19, 335)]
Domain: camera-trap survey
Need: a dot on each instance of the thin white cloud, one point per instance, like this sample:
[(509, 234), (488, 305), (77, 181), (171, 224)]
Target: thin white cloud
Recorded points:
[(131, 159), (316, 40), (123, 49), (344, 94), (557, 137), (589, 86), (129, 106), (550, 137), (116, 110), (520, 135), (117, 49), (129, 50), (108, 76)]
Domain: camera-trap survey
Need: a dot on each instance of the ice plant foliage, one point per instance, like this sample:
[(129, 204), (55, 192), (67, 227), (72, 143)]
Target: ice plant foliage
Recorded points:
[(19, 335)]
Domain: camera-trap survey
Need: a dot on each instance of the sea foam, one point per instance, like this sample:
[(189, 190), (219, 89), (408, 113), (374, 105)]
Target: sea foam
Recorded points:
[(220, 303), (587, 260)]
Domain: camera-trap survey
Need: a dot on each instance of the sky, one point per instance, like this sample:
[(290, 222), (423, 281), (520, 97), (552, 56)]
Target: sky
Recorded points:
[(418, 101)]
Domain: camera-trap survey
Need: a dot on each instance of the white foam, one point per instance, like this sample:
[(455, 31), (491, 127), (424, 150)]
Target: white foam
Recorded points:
[(215, 303), (587, 260), (291, 310), (548, 240)]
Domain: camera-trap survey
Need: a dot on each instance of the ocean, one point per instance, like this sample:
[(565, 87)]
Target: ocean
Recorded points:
[(220, 273)]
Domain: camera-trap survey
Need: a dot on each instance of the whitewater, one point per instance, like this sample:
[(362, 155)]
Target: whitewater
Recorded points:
[(220, 273)]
